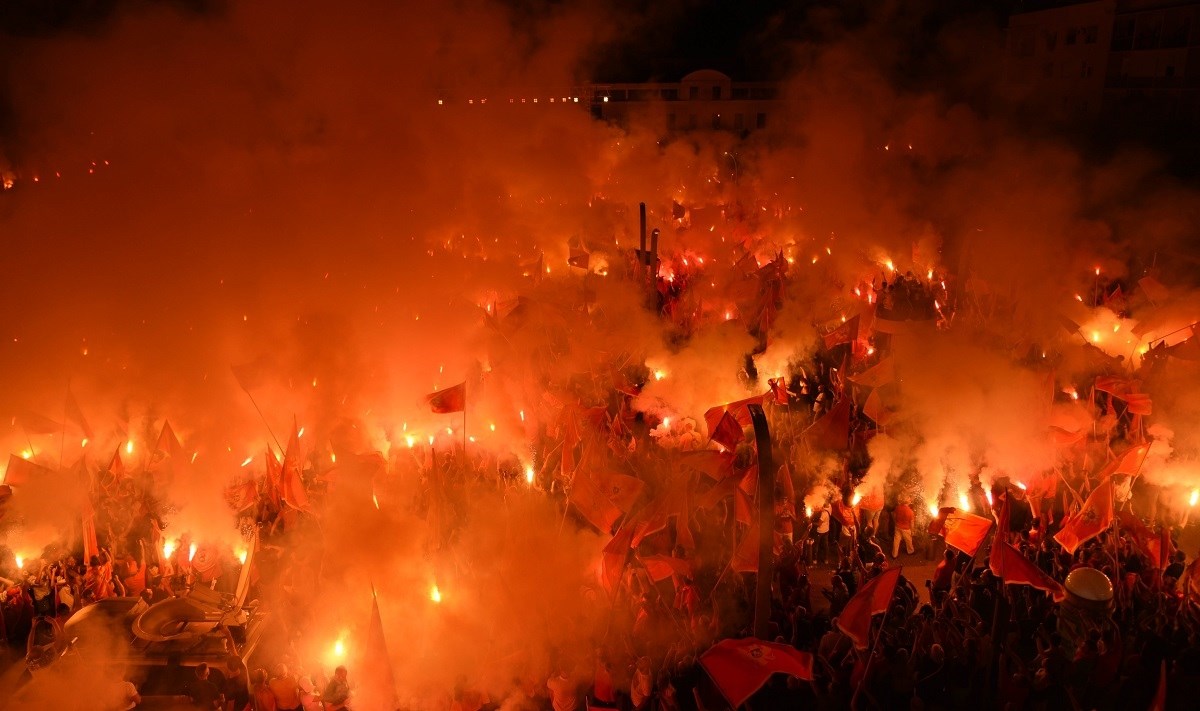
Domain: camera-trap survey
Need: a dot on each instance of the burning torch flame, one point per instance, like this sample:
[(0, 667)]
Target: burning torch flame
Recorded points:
[(933, 508), (808, 511), (409, 440), (1021, 486), (375, 499), (26, 454), (168, 549), (1195, 497), (339, 649), (659, 375), (20, 562), (435, 594), (529, 475), (964, 502), (241, 555), (191, 552), (988, 494), (666, 423), (129, 447), (857, 498), (246, 461)]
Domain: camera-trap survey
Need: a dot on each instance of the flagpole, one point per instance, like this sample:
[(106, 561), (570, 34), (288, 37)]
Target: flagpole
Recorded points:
[(264, 420), (62, 442), (874, 646)]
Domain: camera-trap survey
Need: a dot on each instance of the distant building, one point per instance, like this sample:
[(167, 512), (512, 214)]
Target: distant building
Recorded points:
[(702, 100), (1131, 62)]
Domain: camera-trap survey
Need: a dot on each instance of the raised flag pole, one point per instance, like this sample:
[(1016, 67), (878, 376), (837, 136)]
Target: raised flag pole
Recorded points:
[(874, 646), (766, 522)]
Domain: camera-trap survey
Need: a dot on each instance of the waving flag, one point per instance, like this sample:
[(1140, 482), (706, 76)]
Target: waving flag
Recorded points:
[(75, 415), (961, 529), (452, 399), (874, 597), (845, 333), (728, 432), (1009, 565), (291, 486), (1090, 521), (740, 667)]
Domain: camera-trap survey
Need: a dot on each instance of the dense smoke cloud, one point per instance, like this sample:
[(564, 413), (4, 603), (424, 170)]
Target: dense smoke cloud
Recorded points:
[(275, 186)]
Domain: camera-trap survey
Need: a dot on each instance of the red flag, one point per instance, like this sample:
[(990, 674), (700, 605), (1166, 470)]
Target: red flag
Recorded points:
[(1009, 565), (1160, 695), (742, 507), (22, 471), (377, 681), (75, 415), (728, 432), (291, 486), (1113, 384), (833, 430), (91, 546), (449, 400), (961, 529), (670, 503), (661, 567), (740, 410), (878, 375), (1154, 289), (1156, 546), (168, 443), (241, 496), (1138, 403), (579, 258), (845, 333), (615, 556), (34, 423), (715, 465), (115, 466), (745, 556), (1090, 521), (740, 667), (874, 597), (779, 390), (603, 497), (274, 476)]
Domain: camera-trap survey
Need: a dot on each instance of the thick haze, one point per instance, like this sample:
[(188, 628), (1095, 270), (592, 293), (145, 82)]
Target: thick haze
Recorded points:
[(274, 185)]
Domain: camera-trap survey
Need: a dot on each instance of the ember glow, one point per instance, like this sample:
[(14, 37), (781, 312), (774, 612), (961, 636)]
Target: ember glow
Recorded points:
[(225, 220)]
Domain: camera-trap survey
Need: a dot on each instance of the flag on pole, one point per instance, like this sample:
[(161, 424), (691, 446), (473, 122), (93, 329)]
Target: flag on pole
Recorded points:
[(75, 415), (1090, 521), (832, 431), (728, 432), (453, 399), (740, 667), (874, 597), (1009, 565), (847, 332), (615, 556), (33, 423), (661, 567), (22, 471), (378, 681), (961, 529), (291, 486), (579, 258)]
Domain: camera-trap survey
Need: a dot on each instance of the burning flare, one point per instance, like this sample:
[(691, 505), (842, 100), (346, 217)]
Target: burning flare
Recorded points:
[(1194, 498), (434, 594)]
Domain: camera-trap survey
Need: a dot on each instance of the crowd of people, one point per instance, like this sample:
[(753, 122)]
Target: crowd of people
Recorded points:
[(674, 568)]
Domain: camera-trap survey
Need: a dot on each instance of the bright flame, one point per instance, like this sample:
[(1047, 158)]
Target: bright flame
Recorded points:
[(857, 498), (964, 502), (191, 552), (666, 423), (246, 461), (410, 440), (988, 494), (339, 649), (332, 458), (891, 267), (1021, 486), (375, 499), (300, 433), (529, 474), (1195, 497), (435, 594), (84, 442), (492, 427), (933, 508), (20, 562), (241, 555), (168, 549), (522, 415), (26, 454), (659, 375), (808, 511), (129, 447)]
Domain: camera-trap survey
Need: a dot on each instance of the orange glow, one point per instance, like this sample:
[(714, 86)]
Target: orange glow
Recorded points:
[(435, 594), (20, 562), (1194, 498), (191, 552), (241, 554), (529, 475), (933, 508), (129, 447), (964, 503), (168, 549)]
